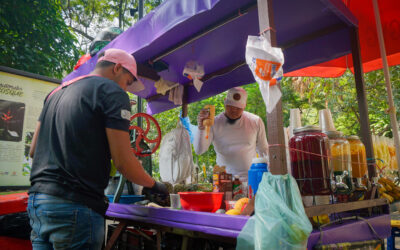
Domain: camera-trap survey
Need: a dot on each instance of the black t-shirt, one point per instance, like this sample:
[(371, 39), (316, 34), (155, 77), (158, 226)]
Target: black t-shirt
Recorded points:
[(72, 156)]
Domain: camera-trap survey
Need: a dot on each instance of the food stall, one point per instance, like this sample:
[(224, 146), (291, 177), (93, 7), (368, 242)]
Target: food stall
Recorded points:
[(214, 34)]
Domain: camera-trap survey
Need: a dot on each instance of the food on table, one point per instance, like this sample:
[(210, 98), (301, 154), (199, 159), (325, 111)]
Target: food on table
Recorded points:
[(169, 186), (233, 212), (389, 190), (152, 204), (241, 204), (321, 219), (201, 187)]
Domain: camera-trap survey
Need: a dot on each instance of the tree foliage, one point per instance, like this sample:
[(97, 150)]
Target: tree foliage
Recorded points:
[(339, 95), (89, 17), (34, 38), (309, 95)]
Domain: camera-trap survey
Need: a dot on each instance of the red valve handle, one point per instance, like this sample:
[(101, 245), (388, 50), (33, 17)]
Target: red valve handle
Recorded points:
[(142, 134)]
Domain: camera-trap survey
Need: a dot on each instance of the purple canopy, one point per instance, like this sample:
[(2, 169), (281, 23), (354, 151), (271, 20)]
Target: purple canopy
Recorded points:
[(214, 33)]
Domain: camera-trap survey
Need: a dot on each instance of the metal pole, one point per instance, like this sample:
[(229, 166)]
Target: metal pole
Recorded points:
[(139, 99), (392, 108), (362, 101)]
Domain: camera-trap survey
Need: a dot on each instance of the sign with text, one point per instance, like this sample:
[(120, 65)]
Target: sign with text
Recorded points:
[(21, 101)]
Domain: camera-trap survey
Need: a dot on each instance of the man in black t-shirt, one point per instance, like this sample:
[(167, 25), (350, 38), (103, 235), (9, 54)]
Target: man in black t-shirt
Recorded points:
[(84, 123)]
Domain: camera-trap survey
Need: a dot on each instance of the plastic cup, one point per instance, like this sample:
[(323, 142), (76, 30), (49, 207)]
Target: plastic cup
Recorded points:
[(175, 201), (295, 121), (295, 118), (325, 120), (229, 205)]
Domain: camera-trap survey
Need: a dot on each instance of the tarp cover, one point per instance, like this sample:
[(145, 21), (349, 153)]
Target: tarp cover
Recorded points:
[(176, 22), (390, 18)]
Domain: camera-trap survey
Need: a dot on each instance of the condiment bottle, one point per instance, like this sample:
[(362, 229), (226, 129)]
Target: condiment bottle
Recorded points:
[(210, 120), (309, 151), (236, 186)]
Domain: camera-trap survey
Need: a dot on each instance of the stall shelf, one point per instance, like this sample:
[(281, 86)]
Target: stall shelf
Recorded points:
[(226, 228)]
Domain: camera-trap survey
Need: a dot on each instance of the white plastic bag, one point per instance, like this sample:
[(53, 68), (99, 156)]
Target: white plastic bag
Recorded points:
[(265, 62), (195, 72), (176, 159)]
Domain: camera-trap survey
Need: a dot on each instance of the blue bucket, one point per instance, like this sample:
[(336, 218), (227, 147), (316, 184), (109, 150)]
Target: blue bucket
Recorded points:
[(126, 199)]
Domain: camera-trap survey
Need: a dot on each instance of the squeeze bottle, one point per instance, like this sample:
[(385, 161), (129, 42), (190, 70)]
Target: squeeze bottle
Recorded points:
[(210, 120)]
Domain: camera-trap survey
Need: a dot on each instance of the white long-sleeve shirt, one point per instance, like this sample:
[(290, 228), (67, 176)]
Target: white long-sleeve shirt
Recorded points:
[(235, 144)]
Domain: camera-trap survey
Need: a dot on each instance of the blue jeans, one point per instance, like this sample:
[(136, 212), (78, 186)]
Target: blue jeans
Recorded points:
[(62, 224)]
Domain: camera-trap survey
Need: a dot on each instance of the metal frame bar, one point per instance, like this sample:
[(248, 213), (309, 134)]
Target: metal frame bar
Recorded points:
[(362, 101)]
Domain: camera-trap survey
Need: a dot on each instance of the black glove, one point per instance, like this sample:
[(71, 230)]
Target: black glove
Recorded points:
[(157, 188)]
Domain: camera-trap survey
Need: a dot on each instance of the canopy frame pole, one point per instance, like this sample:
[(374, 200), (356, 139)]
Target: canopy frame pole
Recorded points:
[(362, 101), (277, 155), (184, 102), (392, 108)]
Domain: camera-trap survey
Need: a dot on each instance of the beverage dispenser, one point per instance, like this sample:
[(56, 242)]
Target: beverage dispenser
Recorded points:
[(358, 160), (309, 151), (340, 163)]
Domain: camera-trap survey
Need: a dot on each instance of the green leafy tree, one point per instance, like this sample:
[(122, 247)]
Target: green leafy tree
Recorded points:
[(88, 17), (34, 38)]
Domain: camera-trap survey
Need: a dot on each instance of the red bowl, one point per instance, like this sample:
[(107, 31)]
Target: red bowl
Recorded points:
[(201, 201)]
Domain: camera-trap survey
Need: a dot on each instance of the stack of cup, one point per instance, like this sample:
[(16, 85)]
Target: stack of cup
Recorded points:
[(325, 120), (295, 121)]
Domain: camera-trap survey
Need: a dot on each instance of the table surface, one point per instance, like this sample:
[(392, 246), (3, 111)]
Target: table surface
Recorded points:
[(230, 226)]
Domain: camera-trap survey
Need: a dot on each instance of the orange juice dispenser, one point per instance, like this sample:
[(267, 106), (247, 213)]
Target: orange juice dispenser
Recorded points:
[(358, 160), (210, 120), (341, 164)]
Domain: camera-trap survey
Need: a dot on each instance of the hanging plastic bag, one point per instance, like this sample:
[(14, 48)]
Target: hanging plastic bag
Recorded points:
[(176, 159), (265, 62), (195, 72), (280, 221)]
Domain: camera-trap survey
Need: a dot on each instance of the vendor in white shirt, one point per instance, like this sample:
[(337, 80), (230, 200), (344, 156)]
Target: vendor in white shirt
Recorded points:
[(236, 135)]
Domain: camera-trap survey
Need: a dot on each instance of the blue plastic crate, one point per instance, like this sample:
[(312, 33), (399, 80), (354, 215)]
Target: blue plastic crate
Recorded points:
[(126, 199)]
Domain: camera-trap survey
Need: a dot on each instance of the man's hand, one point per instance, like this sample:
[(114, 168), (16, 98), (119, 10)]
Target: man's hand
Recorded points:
[(157, 188), (204, 114)]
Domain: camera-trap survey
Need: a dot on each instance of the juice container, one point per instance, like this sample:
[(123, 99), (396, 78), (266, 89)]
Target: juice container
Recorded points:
[(358, 159), (340, 162), (309, 151)]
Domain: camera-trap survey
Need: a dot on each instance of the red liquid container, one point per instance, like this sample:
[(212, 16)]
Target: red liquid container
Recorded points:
[(310, 162)]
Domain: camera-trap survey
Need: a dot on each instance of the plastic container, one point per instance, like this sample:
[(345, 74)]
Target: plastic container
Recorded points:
[(201, 201), (175, 201), (310, 162), (126, 199), (229, 205), (340, 162), (255, 173)]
